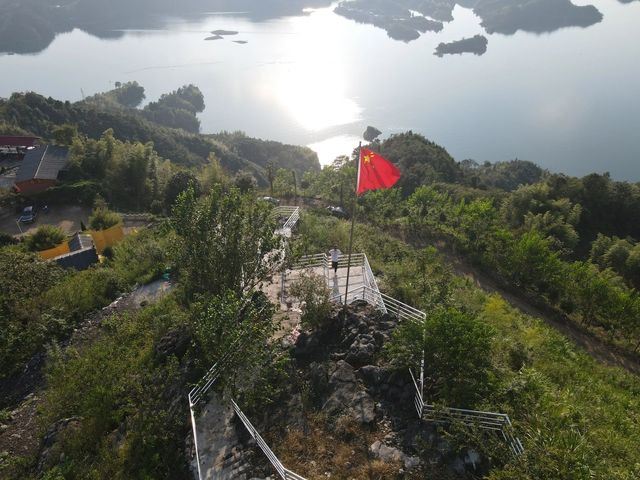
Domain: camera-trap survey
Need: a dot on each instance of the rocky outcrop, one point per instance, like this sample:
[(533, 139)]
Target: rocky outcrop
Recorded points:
[(346, 378), (176, 342), (390, 454), (348, 396), (51, 450)]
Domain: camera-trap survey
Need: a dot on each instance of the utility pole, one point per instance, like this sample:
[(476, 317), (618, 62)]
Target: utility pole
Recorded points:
[(295, 186), (353, 223)]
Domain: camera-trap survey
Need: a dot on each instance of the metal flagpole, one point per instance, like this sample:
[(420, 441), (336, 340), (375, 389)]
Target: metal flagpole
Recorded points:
[(353, 222)]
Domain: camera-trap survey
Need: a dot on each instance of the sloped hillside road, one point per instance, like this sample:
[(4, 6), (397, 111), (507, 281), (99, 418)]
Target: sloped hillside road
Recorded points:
[(595, 347)]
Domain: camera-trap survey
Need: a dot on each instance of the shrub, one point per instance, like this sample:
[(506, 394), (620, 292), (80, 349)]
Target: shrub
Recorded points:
[(83, 292), (313, 294), (6, 239), (45, 237), (121, 391), (103, 218), (142, 257)]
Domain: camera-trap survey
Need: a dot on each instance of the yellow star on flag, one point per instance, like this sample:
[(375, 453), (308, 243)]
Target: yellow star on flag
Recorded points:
[(366, 159)]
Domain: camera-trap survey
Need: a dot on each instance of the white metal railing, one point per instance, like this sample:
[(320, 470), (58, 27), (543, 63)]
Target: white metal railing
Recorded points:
[(284, 473), (310, 261), (292, 214), (498, 422), (284, 211), (198, 393), (358, 260)]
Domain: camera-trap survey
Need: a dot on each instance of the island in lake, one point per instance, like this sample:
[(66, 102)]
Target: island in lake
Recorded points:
[(224, 32), (398, 21), (406, 19), (476, 45)]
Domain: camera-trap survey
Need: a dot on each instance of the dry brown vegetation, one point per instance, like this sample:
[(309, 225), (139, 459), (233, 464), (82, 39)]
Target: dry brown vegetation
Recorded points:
[(338, 448)]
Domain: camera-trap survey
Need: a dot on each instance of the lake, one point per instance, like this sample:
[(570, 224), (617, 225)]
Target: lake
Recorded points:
[(567, 100)]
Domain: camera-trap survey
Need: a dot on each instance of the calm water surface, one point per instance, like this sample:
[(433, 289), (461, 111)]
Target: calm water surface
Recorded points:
[(569, 100)]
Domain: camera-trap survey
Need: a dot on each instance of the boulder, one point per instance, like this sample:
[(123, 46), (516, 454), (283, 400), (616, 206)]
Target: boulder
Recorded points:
[(307, 344), (351, 401), (50, 449), (390, 454), (176, 342), (347, 396), (371, 375), (343, 373), (362, 350), (319, 378)]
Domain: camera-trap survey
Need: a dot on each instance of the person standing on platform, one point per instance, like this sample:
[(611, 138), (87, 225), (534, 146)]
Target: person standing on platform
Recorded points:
[(335, 258)]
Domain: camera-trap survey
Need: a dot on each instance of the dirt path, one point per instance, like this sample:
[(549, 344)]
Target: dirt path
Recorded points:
[(595, 347)]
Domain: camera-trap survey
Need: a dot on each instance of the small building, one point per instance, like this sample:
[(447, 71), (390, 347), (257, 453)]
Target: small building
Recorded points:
[(82, 253), (15, 146), (40, 168)]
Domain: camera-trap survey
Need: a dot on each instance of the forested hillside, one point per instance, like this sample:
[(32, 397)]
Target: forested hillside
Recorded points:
[(564, 242), (98, 393), (129, 419), (170, 125)]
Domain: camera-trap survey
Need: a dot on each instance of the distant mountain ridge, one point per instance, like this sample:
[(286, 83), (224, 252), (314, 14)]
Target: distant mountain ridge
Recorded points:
[(29, 26)]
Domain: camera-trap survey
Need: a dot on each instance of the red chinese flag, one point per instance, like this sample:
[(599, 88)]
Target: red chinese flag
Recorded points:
[(375, 172)]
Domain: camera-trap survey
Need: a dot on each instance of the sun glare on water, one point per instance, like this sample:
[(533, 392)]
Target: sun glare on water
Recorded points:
[(313, 90)]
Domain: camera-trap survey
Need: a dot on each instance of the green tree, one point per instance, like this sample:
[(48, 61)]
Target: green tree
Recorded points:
[(283, 183), (211, 174), (419, 160), (130, 94), (271, 176), (457, 356), (179, 183), (64, 134), (225, 242), (592, 292), (533, 263), (245, 182)]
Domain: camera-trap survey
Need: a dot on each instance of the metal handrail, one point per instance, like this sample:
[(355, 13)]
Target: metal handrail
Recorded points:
[(370, 279), (498, 422), (293, 219), (310, 261), (283, 211), (418, 401), (284, 473), (388, 304), (195, 435), (292, 214)]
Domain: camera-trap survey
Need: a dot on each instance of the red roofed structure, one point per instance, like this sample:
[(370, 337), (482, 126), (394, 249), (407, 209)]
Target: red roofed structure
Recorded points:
[(40, 168), (17, 141), (16, 145)]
